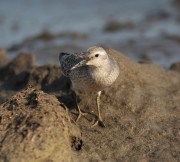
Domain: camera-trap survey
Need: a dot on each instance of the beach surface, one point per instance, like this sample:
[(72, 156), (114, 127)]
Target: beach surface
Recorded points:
[(37, 114)]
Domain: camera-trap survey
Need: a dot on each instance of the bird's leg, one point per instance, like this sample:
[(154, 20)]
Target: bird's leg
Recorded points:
[(99, 120), (80, 113)]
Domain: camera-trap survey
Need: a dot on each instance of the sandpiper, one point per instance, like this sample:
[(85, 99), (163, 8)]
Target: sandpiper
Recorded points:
[(90, 72)]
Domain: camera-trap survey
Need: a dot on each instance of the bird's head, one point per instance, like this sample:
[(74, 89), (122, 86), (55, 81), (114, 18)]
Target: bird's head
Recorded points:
[(95, 56)]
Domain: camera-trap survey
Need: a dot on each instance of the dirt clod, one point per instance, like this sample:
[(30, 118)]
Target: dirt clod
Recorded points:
[(77, 143), (36, 134), (175, 67), (3, 57)]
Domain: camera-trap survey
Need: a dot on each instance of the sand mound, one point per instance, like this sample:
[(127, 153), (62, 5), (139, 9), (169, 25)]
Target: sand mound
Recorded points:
[(34, 127), (142, 116)]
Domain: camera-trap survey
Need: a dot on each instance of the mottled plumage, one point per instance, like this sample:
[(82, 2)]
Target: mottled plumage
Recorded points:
[(67, 61)]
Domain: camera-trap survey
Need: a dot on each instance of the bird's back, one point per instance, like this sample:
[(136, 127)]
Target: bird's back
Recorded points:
[(67, 61), (79, 77)]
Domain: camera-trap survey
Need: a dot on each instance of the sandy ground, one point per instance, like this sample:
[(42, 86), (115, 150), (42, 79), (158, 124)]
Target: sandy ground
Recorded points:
[(141, 111)]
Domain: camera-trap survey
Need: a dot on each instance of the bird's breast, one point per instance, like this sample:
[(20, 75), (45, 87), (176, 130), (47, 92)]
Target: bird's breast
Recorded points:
[(92, 80)]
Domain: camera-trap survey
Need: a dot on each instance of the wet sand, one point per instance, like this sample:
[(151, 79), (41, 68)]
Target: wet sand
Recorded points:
[(37, 112)]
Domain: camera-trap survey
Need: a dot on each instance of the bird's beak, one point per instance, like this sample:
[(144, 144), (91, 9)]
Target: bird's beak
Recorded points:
[(81, 63)]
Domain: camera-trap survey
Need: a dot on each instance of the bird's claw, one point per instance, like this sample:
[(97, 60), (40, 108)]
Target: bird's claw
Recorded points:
[(98, 122), (80, 115)]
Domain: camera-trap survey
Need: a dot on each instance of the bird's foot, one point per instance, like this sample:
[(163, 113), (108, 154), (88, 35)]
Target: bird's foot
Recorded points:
[(81, 114), (98, 122)]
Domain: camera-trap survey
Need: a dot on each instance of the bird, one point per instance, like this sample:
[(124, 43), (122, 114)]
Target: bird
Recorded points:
[(90, 72)]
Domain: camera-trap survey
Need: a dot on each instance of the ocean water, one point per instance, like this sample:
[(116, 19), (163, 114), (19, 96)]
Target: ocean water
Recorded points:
[(152, 19)]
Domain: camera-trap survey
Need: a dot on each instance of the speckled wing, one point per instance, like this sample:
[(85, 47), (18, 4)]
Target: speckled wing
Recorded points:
[(67, 61)]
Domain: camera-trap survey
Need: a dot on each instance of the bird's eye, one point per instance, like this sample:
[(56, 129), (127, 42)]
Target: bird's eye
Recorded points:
[(96, 55)]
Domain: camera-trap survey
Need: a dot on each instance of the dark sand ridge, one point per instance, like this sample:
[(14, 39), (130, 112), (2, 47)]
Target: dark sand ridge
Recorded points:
[(141, 111), (34, 127)]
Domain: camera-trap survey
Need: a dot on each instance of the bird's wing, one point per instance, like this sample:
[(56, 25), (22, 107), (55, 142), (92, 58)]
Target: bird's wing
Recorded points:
[(67, 61)]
